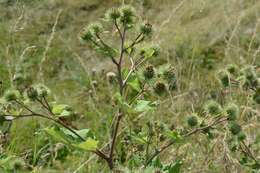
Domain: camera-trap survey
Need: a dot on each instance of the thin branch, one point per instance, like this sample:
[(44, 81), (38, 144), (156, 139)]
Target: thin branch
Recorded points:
[(136, 41), (133, 68), (33, 114), (106, 46), (24, 106), (121, 89), (122, 46), (118, 29), (170, 143), (130, 72), (47, 104), (119, 116), (7, 117), (44, 105)]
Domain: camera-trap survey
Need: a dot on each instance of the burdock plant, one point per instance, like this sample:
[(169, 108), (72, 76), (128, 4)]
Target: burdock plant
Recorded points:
[(124, 21), (136, 81)]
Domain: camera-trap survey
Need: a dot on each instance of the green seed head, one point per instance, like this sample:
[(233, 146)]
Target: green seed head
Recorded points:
[(11, 95), (149, 72), (234, 128), (169, 75), (249, 73), (146, 29), (86, 35), (232, 69), (224, 78), (192, 120), (32, 94), (213, 108), (95, 28), (112, 14), (127, 14), (232, 111), (42, 90), (241, 136), (160, 88)]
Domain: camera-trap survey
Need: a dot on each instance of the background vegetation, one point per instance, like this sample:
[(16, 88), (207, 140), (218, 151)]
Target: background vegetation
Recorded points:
[(197, 37)]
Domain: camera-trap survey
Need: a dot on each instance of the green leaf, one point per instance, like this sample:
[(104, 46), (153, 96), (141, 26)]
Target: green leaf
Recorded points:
[(57, 109), (65, 113), (84, 133), (135, 84), (88, 145), (57, 134), (174, 136), (62, 110), (144, 106), (121, 101)]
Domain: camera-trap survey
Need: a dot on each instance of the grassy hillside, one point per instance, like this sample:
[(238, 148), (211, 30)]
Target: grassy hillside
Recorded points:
[(39, 38)]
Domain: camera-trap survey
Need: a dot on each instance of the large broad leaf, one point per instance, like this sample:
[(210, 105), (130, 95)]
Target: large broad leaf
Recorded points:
[(134, 84), (67, 137), (57, 135), (84, 133), (144, 106), (88, 145), (62, 110)]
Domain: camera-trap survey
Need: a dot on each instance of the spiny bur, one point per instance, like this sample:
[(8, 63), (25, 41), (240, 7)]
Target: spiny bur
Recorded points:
[(146, 29), (169, 75), (224, 78), (192, 120), (86, 35), (249, 72), (95, 28), (149, 72), (241, 136), (213, 108), (32, 93), (11, 95), (160, 88), (232, 69), (112, 14), (42, 90), (127, 14), (234, 128), (232, 111)]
